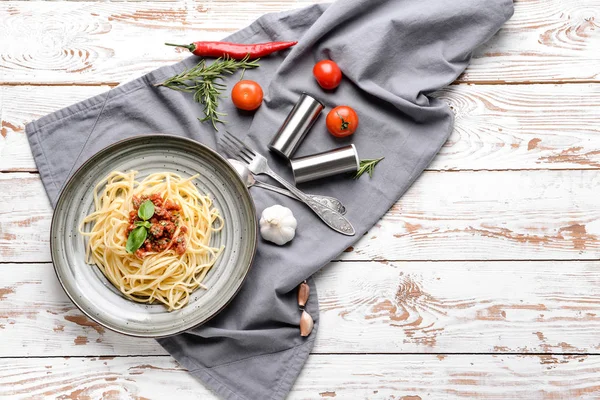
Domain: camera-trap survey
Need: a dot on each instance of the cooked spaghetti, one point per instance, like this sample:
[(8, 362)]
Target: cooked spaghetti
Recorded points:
[(174, 254)]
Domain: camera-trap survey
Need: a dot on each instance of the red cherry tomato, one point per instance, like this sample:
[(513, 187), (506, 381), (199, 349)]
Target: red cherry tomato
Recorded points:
[(247, 95), (328, 74), (342, 121)]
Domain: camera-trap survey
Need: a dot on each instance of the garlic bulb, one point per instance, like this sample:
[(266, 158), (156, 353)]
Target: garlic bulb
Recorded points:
[(277, 224)]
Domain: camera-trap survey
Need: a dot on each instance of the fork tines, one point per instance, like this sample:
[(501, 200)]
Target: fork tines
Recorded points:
[(228, 149), (236, 148)]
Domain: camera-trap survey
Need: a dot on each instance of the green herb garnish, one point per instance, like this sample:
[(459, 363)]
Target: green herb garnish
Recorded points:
[(136, 237), (146, 210), (367, 166), (202, 80), (145, 224)]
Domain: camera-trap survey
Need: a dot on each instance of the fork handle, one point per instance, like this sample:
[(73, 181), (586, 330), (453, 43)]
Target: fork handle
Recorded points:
[(330, 202), (332, 218)]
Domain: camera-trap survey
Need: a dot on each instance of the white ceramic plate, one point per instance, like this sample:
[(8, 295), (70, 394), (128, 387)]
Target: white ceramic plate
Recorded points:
[(95, 295)]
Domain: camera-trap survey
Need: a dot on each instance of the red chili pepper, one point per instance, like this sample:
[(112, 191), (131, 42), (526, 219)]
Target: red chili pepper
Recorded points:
[(234, 50)]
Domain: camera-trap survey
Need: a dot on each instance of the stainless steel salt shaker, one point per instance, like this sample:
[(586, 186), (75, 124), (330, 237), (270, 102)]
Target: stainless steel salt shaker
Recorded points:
[(328, 163), (296, 125)]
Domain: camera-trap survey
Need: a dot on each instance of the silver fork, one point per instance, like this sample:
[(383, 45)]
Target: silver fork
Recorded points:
[(258, 164)]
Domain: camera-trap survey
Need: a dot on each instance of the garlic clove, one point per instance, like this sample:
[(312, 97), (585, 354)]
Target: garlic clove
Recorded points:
[(303, 293), (306, 324)]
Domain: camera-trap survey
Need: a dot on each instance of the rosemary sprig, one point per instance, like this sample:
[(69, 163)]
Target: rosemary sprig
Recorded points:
[(367, 166), (203, 81)]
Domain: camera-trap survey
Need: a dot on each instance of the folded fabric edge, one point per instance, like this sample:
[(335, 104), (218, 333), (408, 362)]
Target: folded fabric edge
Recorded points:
[(299, 355), (42, 164), (299, 358), (509, 8)]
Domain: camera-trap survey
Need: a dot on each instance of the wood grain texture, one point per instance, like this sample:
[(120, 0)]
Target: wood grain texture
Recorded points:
[(522, 127), (25, 226), (459, 307), (507, 215), (485, 215), (92, 42), (22, 104), (544, 41), (38, 319), (85, 42), (497, 127), (366, 307), (549, 309), (374, 377)]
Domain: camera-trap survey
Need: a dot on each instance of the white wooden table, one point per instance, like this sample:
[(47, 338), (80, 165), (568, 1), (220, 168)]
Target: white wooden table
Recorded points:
[(482, 282)]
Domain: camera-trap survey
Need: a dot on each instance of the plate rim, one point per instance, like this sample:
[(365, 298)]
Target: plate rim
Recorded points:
[(108, 149)]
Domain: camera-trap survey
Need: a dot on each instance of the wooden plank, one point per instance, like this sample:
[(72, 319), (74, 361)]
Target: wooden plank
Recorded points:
[(485, 215), (459, 307), (490, 215), (40, 320), (544, 41), (497, 127), (92, 42), (366, 307), (88, 42), (522, 127), (22, 104), (25, 220), (406, 377)]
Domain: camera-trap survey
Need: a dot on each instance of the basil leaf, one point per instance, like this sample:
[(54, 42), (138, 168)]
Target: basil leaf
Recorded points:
[(136, 239), (146, 210), (145, 224)]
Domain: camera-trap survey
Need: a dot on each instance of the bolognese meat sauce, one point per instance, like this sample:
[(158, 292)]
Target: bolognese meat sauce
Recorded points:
[(164, 224)]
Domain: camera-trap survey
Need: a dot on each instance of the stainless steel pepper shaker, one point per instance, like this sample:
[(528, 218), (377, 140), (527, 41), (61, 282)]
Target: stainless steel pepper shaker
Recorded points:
[(296, 125), (328, 163)]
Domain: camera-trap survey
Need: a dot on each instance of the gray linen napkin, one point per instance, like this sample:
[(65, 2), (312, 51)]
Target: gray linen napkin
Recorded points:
[(393, 54)]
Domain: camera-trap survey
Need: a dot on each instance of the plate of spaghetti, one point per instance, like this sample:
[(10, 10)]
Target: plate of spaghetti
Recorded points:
[(153, 235)]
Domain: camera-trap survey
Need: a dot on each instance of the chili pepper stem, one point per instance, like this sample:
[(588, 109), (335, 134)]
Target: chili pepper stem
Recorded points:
[(190, 47)]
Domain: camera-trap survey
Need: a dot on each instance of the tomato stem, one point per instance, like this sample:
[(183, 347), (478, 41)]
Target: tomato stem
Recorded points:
[(345, 124)]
